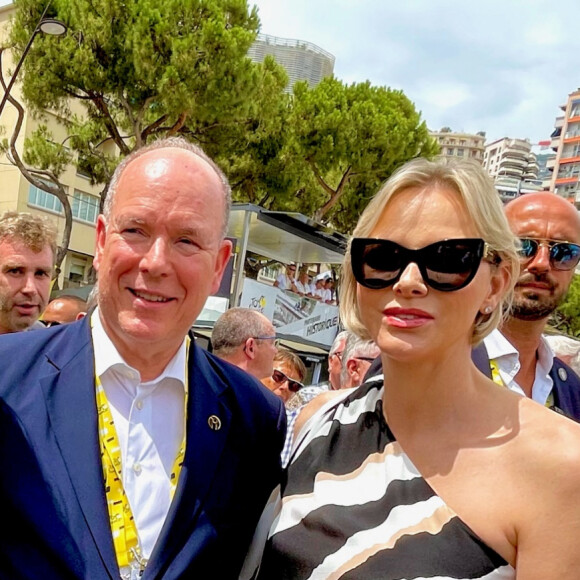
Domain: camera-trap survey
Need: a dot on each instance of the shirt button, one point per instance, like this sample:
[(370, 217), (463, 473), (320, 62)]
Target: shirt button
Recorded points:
[(139, 404), (137, 468)]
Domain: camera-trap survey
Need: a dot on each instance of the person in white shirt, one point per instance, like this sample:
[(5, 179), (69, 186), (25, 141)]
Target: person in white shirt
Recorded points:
[(303, 283), (285, 281), (126, 450), (549, 229)]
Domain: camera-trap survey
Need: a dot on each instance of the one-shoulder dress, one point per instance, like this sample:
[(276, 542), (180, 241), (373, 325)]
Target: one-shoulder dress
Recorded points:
[(354, 507)]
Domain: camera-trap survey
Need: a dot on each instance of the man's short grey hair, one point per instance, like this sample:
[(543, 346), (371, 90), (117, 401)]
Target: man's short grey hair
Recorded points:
[(35, 232), (167, 143), (341, 336), (353, 348), (234, 327)]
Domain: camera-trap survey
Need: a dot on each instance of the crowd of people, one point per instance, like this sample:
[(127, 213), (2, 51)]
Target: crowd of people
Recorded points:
[(319, 287), (128, 451)]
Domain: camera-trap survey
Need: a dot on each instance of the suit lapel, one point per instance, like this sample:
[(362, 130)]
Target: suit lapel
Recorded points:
[(69, 391), (209, 419)]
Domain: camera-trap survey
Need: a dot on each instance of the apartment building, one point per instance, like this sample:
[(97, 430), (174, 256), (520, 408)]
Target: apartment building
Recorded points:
[(545, 157), (466, 145), (512, 158), (565, 142), (302, 60)]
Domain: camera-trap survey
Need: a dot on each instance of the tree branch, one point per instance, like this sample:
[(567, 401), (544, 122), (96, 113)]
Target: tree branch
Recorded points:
[(31, 175), (110, 125)]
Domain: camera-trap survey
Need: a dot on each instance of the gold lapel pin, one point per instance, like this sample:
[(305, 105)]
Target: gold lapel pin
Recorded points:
[(214, 423)]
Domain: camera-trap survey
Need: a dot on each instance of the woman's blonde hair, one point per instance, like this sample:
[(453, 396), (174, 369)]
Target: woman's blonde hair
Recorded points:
[(477, 192)]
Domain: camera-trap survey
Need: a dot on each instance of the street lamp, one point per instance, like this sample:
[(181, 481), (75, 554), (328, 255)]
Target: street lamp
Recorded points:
[(47, 26)]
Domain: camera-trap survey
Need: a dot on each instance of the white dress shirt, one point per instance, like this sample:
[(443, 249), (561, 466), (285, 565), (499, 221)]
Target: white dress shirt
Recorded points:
[(508, 364), (150, 422)]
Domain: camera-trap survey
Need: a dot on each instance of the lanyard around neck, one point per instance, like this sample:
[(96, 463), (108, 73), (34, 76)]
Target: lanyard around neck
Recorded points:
[(123, 528)]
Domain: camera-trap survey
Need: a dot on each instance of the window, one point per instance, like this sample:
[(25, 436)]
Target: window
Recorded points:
[(42, 199), (450, 151), (85, 207), (460, 152)]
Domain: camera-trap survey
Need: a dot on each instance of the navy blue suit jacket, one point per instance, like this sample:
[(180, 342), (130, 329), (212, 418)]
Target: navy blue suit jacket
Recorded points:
[(54, 522)]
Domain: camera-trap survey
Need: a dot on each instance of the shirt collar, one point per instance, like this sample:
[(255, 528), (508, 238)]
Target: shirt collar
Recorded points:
[(107, 356)]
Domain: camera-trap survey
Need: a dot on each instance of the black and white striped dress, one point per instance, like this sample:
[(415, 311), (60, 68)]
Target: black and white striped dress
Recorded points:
[(354, 507)]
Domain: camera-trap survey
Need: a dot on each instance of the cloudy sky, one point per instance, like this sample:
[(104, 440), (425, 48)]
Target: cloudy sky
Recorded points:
[(500, 66)]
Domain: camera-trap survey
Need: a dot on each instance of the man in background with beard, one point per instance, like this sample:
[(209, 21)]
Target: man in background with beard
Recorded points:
[(520, 358)]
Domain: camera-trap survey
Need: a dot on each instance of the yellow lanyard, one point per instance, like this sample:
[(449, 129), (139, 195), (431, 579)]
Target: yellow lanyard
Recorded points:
[(123, 528), (498, 380)]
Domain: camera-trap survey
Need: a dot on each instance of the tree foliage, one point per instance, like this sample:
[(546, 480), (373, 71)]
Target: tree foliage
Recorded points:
[(566, 319), (351, 138), (129, 71)]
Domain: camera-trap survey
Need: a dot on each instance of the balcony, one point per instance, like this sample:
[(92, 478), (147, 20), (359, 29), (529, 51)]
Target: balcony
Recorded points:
[(566, 180)]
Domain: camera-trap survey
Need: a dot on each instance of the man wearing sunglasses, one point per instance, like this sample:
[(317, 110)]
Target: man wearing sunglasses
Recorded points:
[(549, 229), (287, 279)]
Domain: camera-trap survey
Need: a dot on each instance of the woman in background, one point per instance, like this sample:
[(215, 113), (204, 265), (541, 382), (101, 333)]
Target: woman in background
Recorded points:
[(438, 472)]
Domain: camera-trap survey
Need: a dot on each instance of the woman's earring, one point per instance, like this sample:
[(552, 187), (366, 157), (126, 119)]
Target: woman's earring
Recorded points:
[(487, 310)]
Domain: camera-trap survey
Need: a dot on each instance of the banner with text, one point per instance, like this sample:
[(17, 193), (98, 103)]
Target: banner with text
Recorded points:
[(291, 313)]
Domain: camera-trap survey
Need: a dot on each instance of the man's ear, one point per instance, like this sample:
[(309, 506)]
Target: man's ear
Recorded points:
[(352, 368), (221, 261), (250, 348), (101, 236)]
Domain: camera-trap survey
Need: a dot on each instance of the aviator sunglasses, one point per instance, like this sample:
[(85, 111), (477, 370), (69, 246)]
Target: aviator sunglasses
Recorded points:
[(279, 377), (447, 265), (563, 255)]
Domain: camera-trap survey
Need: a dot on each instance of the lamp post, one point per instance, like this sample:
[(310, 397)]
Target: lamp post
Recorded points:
[(46, 26)]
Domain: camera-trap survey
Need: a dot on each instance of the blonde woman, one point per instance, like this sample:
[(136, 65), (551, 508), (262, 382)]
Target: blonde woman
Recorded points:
[(437, 472)]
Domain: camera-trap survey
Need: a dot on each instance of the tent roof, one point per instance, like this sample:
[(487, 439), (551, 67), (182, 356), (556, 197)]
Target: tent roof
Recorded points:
[(286, 236)]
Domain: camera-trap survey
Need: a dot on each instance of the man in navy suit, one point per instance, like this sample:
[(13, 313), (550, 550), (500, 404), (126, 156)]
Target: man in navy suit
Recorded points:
[(125, 449)]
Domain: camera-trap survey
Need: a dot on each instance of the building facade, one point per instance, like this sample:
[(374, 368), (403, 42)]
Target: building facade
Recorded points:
[(565, 142), (465, 145), (303, 61), (511, 158), (17, 194)]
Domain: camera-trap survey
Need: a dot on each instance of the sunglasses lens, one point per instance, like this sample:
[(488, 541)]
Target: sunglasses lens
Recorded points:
[(278, 377), (294, 386), (447, 265), (564, 256), (529, 248), (376, 263), (452, 264)]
